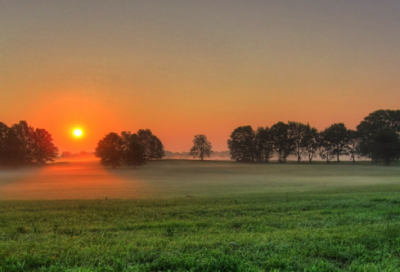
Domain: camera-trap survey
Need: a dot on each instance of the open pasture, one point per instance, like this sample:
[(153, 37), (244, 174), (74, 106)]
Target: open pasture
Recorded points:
[(193, 216)]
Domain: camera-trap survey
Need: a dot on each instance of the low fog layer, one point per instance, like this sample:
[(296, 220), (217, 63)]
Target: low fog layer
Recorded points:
[(216, 155), (185, 178)]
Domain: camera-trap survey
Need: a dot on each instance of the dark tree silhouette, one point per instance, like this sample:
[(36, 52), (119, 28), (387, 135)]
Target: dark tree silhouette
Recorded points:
[(24, 134), (370, 126), (311, 142), (283, 142), (338, 136), (241, 144), (297, 132), (157, 149), (133, 152), (43, 147), (3, 134), (386, 146), (354, 144), (11, 154), (152, 146), (110, 150), (23, 145), (325, 147), (201, 147), (129, 149), (264, 144)]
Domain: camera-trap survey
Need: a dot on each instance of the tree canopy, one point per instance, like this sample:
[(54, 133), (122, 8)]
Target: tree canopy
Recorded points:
[(241, 144), (371, 125), (110, 149), (201, 147), (338, 138), (22, 145), (127, 149), (302, 140), (152, 146), (386, 146)]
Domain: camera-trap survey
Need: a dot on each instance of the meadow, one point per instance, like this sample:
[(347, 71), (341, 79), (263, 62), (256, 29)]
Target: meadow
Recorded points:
[(201, 216)]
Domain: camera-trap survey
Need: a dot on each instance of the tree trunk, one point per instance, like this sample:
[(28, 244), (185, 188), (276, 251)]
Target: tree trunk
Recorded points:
[(337, 155), (298, 159)]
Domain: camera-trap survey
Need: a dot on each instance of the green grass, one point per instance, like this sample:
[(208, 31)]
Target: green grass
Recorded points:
[(341, 223)]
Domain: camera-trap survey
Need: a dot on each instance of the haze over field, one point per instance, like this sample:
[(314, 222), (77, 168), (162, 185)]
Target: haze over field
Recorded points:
[(183, 68), (165, 179)]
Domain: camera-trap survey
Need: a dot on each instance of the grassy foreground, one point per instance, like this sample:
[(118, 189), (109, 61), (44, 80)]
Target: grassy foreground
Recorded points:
[(351, 229)]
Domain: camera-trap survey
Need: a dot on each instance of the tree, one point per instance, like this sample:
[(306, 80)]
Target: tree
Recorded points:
[(110, 150), (11, 154), (133, 152), (386, 146), (24, 134), (311, 142), (283, 142), (373, 123), (3, 134), (10, 147), (152, 146), (23, 145), (201, 147), (264, 144), (241, 144), (325, 147), (354, 144), (337, 135), (43, 148), (297, 132), (157, 149)]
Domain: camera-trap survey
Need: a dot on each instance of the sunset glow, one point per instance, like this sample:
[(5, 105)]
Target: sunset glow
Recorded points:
[(183, 68), (77, 133)]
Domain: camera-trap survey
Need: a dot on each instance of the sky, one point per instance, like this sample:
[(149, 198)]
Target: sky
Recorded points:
[(186, 67)]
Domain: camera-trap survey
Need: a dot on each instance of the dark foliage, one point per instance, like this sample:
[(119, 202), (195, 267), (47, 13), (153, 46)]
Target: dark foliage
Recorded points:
[(110, 150), (43, 147), (242, 144), (325, 147), (297, 132), (152, 146), (201, 147), (310, 142), (283, 141), (354, 144), (23, 145), (369, 127), (133, 151), (386, 146), (264, 144), (337, 138), (129, 149)]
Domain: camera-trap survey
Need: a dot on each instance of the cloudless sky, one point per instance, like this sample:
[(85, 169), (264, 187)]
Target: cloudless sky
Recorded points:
[(185, 67)]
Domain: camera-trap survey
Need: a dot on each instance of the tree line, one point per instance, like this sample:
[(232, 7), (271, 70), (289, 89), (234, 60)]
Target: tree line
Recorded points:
[(127, 149), (22, 145), (376, 137)]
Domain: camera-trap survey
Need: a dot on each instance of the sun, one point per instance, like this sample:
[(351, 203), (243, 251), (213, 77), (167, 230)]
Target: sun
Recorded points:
[(77, 132)]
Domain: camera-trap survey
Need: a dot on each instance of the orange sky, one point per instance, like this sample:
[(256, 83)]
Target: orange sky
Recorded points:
[(183, 68)]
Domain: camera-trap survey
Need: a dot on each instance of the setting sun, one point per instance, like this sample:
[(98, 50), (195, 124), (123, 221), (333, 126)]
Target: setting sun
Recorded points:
[(77, 132)]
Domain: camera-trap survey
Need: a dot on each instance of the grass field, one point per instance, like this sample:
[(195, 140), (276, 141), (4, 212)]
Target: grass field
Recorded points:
[(192, 216)]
